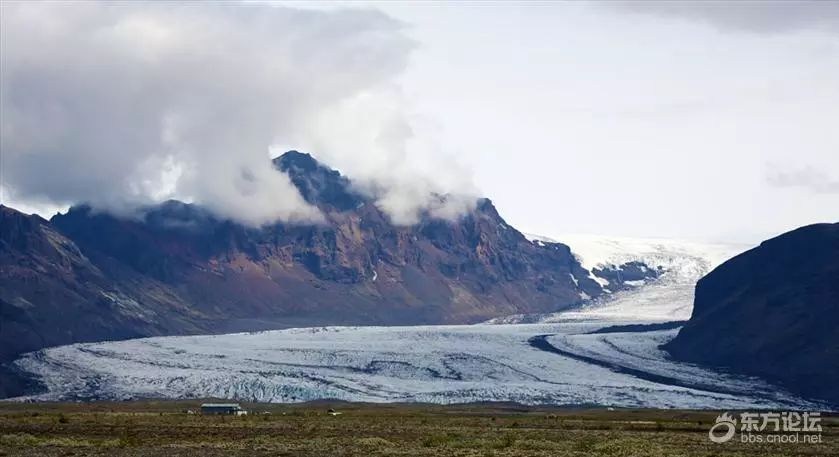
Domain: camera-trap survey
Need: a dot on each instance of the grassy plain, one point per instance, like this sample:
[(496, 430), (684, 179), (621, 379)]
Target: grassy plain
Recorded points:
[(165, 428)]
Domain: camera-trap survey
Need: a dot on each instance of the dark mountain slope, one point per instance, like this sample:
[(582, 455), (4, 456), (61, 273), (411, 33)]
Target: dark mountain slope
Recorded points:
[(177, 268), (774, 312), (355, 268), (51, 293)]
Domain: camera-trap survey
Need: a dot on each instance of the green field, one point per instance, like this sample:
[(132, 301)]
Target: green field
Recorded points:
[(150, 428)]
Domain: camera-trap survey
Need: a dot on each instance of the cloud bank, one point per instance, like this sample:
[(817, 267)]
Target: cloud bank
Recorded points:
[(807, 178), (774, 16), (125, 104)]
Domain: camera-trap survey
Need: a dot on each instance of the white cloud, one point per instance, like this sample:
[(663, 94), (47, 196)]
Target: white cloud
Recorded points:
[(124, 104), (808, 178), (397, 160)]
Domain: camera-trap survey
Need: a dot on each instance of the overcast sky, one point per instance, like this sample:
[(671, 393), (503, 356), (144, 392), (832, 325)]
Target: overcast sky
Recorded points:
[(712, 121), (716, 121)]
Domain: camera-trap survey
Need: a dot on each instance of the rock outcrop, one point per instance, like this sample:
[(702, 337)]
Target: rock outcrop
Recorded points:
[(773, 312), (177, 268)]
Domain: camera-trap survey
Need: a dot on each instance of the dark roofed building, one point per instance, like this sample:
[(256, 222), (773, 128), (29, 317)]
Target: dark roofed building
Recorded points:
[(230, 409)]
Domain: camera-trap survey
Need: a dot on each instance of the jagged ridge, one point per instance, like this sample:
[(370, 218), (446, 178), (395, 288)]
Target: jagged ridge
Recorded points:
[(204, 273)]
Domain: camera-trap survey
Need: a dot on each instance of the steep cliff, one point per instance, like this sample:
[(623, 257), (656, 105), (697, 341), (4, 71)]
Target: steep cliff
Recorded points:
[(772, 311), (177, 268)]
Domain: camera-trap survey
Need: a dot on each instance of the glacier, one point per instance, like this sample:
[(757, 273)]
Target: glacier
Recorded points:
[(438, 364), (580, 357)]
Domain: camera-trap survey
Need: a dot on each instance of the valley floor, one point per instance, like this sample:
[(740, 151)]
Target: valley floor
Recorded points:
[(607, 353), (552, 363), (166, 429)]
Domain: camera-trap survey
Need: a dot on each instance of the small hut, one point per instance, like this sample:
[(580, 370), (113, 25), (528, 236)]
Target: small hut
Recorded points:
[(228, 409)]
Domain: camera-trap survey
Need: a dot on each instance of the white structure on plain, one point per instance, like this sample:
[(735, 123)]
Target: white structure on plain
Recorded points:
[(229, 409)]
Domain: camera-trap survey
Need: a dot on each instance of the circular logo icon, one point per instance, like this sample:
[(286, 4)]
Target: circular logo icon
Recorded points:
[(723, 429)]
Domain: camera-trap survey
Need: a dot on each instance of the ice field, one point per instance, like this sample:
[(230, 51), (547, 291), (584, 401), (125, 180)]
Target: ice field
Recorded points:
[(555, 361)]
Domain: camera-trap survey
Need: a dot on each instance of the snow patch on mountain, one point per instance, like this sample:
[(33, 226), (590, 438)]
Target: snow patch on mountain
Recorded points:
[(668, 297), (680, 259)]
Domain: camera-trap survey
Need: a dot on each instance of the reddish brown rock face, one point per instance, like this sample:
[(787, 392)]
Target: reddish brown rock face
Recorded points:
[(184, 270), (52, 293)]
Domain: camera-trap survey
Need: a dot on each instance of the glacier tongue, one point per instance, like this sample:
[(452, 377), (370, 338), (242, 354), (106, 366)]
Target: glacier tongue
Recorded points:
[(556, 361), (440, 364)]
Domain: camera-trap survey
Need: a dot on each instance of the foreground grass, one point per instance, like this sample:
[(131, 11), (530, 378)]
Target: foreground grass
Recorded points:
[(165, 429)]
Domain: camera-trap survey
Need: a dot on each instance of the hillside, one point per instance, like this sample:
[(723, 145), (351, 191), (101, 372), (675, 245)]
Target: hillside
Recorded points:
[(177, 268), (51, 293), (772, 311), (644, 279)]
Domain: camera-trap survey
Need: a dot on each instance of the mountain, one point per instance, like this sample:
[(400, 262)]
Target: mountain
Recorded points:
[(177, 268), (644, 279), (51, 293), (621, 263), (773, 312)]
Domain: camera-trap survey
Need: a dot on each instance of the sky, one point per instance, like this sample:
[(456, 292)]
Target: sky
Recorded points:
[(645, 119), (709, 121)]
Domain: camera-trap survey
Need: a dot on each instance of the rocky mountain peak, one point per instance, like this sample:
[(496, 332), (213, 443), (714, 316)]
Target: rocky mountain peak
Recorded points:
[(318, 184), (17, 229), (176, 267)]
